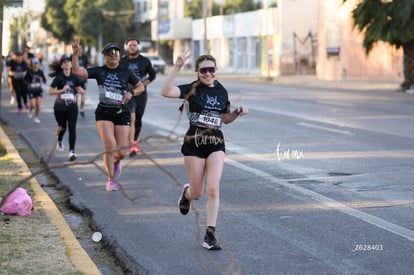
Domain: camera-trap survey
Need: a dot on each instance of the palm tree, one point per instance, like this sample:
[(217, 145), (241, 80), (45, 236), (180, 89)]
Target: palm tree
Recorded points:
[(391, 21)]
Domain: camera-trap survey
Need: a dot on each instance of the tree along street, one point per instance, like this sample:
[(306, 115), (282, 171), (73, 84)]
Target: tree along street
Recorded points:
[(315, 180)]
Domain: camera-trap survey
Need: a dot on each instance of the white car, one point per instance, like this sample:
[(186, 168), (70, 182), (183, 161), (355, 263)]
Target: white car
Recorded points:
[(157, 62)]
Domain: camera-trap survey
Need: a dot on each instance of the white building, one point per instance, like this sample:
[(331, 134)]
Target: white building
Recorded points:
[(271, 41)]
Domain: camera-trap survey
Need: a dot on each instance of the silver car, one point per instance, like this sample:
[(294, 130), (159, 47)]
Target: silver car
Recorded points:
[(157, 62)]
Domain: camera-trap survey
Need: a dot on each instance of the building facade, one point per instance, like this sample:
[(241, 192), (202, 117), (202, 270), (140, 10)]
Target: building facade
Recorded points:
[(268, 42), (341, 54), (296, 37)]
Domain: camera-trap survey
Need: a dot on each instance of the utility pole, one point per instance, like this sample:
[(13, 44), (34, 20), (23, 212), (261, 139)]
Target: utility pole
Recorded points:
[(266, 10), (205, 15)]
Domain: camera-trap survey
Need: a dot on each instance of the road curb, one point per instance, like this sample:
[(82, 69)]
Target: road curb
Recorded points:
[(75, 252)]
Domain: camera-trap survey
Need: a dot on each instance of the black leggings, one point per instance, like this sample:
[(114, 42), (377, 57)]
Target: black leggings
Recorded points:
[(20, 89), (68, 118), (140, 104)]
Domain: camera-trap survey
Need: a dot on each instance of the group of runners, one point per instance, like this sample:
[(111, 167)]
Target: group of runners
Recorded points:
[(122, 83)]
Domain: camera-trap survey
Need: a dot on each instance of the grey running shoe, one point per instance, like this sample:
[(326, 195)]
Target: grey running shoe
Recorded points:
[(210, 242)]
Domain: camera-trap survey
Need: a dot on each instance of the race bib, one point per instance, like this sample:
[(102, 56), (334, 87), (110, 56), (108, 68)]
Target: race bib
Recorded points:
[(35, 85), (113, 96), (209, 120), (67, 96)]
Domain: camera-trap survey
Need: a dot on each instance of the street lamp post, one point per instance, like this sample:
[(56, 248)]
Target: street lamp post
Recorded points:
[(205, 15), (268, 64)]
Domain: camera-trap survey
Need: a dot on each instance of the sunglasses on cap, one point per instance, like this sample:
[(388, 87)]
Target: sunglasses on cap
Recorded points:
[(112, 52), (206, 70)]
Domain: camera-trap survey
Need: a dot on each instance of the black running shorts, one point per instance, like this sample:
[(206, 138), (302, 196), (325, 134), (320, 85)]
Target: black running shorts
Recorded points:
[(201, 142), (118, 115)]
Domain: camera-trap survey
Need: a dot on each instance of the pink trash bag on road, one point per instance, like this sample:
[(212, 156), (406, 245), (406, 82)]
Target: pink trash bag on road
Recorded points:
[(18, 203)]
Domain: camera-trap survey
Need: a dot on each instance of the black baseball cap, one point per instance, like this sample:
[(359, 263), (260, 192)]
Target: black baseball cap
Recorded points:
[(64, 57), (110, 46)]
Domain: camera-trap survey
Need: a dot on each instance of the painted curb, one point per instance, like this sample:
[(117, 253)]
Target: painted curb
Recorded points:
[(75, 252)]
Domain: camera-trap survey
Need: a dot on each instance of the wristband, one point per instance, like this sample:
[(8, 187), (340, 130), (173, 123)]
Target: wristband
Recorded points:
[(132, 92)]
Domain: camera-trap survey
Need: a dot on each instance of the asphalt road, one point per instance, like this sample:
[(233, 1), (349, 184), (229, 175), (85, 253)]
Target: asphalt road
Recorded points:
[(318, 180)]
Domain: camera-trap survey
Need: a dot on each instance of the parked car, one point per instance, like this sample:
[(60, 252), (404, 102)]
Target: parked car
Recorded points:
[(157, 62)]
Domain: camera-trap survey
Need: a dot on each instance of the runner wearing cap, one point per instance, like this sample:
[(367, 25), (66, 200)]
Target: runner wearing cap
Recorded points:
[(112, 116), (65, 86), (34, 79)]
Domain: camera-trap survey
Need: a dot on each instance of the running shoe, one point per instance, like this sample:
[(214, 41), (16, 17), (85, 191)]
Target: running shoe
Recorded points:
[(36, 120), (12, 100), (72, 156), (117, 168), (111, 185), (26, 106), (20, 110), (60, 147), (82, 113), (183, 203), (30, 113), (134, 149), (210, 242)]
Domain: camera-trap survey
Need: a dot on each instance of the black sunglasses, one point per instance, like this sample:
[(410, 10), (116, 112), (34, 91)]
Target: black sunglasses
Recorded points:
[(112, 52), (205, 70)]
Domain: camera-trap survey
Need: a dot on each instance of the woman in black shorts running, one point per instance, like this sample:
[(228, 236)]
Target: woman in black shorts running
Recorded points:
[(34, 79), (65, 86), (207, 106), (112, 116)]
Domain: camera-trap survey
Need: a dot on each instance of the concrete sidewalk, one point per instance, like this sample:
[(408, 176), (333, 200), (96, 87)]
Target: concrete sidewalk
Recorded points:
[(313, 81)]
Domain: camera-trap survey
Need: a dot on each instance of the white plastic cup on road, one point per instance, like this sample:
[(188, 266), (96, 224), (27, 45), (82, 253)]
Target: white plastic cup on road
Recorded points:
[(97, 236)]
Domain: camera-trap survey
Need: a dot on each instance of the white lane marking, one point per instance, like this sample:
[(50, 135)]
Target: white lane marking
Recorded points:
[(341, 104), (309, 125), (328, 202)]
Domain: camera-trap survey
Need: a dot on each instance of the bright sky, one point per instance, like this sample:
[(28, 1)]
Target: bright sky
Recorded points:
[(34, 5), (28, 5)]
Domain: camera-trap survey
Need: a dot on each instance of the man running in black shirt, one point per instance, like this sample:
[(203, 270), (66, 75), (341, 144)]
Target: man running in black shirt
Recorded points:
[(142, 68), (17, 69)]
